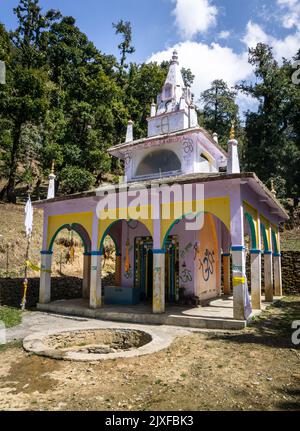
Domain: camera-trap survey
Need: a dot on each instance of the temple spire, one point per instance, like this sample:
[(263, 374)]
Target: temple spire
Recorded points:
[(174, 109)]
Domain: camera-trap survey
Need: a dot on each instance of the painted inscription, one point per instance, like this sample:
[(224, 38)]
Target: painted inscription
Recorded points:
[(207, 264), (186, 276)]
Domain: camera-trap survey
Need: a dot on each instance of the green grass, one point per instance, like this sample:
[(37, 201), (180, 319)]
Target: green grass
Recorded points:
[(10, 316), (13, 344)]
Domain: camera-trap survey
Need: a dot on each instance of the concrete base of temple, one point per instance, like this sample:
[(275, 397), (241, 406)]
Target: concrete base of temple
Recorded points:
[(217, 315)]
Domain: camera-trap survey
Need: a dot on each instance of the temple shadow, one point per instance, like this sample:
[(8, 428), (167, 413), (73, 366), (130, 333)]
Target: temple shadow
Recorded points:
[(290, 392), (272, 328)]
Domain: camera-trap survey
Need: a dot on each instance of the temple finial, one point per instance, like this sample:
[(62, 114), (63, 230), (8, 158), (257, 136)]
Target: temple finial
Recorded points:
[(273, 191), (175, 57), (232, 130), (53, 167)]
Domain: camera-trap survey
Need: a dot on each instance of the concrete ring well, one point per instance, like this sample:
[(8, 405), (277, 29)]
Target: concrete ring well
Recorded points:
[(37, 343)]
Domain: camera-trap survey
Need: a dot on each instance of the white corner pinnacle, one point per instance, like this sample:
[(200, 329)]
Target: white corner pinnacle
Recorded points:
[(215, 138), (153, 109), (51, 185), (129, 132), (233, 164)]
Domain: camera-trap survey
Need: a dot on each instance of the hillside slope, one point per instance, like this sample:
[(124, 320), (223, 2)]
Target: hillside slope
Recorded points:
[(13, 246), (13, 240)]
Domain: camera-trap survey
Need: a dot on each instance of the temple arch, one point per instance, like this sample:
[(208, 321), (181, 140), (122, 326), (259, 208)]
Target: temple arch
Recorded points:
[(108, 232), (202, 249), (79, 229), (274, 243), (251, 223), (264, 237)]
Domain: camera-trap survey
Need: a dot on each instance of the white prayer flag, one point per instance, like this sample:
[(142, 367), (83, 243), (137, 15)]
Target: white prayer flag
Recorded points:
[(28, 217)]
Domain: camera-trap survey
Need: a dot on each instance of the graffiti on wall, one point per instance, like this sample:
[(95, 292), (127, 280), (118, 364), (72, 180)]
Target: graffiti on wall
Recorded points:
[(186, 276), (207, 264), (186, 250), (128, 274)]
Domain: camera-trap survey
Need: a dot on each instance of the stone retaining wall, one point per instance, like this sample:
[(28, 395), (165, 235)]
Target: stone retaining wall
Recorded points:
[(11, 290), (290, 264)]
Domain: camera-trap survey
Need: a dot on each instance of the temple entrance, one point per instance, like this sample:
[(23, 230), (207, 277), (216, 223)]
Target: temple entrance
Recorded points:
[(70, 262), (144, 268)]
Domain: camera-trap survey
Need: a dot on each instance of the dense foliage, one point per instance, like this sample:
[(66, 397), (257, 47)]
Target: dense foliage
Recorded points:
[(272, 134), (65, 100)]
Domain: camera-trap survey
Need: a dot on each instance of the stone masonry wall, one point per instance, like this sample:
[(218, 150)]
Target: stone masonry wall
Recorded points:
[(11, 290), (290, 265)]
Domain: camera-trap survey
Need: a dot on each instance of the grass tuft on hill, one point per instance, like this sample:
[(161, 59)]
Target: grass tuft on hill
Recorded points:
[(10, 316)]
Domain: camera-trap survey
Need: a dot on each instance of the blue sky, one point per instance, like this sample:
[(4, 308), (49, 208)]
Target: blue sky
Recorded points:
[(211, 36)]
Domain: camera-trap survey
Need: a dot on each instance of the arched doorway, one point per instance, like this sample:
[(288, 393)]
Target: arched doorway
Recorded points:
[(143, 267), (267, 262), (197, 269), (70, 247), (109, 262), (134, 261)]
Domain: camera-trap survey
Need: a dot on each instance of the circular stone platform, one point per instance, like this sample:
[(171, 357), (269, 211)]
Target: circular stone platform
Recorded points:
[(94, 344)]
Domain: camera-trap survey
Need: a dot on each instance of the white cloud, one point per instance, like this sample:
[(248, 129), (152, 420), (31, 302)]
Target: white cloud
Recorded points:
[(254, 35), (210, 62), (286, 47), (194, 16), (207, 63), (224, 35), (290, 13)]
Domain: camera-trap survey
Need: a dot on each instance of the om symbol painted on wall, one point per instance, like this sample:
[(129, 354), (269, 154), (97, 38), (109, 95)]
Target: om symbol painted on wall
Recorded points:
[(186, 276), (188, 146), (207, 264), (127, 158)]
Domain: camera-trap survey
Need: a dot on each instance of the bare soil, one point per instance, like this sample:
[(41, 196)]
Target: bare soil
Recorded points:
[(254, 369)]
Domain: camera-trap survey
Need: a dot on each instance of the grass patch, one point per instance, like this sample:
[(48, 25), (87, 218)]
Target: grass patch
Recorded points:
[(13, 344), (10, 316)]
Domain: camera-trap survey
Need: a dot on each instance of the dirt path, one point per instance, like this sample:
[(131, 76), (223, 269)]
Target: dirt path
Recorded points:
[(257, 369)]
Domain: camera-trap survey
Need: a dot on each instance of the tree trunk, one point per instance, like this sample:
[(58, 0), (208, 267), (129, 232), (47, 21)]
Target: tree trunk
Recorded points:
[(10, 188), (3, 192), (37, 189)]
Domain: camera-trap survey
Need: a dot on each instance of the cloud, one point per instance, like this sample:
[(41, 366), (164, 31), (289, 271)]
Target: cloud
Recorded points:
[(194, 16), (224, 35), (254, 35), (286, 47), (290, 13), (213, 61), (207, 63)]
